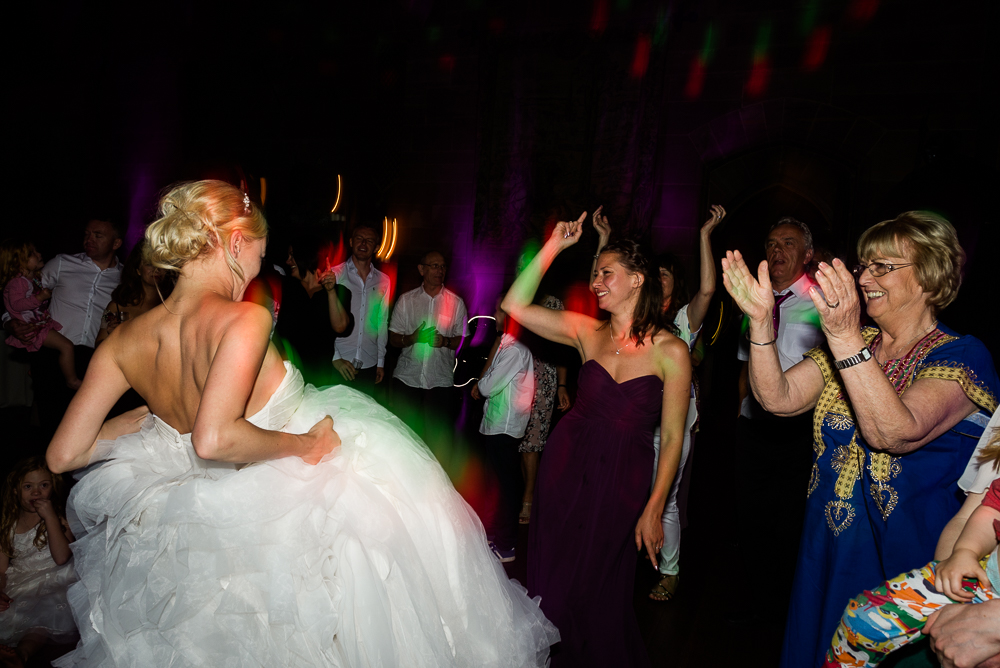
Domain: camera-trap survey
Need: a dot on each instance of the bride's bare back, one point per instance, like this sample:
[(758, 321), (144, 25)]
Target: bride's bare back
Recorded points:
[(167, 357), (201, 360)]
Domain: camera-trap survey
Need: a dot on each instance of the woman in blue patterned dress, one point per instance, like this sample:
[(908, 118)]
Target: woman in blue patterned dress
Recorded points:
[(898, 409)]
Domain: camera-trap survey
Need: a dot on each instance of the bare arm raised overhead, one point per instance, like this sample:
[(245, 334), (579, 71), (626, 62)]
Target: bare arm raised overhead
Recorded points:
[(706, 288), (559, 326)]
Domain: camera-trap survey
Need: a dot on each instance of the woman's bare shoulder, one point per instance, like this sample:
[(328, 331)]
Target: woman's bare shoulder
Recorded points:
[(670, 352)]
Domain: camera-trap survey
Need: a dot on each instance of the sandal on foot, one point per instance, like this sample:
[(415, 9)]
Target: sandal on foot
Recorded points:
[(525, 516), (665, 588)]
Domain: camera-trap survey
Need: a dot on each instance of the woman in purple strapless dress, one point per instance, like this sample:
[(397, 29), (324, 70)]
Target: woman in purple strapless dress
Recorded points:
[(593, 507)]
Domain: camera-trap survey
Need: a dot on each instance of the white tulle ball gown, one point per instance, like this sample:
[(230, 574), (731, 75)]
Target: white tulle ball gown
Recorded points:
[(370, 558)]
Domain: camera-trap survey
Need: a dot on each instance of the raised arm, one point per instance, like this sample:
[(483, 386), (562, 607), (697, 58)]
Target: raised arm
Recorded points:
[(558, 326), (888, 421), (339, 317), (220, 432), (783, 393), (603, 228), (706, 289)]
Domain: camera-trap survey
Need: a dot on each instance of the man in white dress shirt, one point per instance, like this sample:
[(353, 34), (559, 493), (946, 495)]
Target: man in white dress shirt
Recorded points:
[(775, 457), (428, 323), (359, 357), (81, 286)]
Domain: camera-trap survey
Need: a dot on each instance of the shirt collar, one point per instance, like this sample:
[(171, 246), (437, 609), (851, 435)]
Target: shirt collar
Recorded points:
[(800, 288)]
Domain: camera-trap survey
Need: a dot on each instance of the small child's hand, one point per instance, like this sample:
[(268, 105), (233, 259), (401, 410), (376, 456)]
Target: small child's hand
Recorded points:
[(949, 574), (44, 509), (43, 295), (4, 602)]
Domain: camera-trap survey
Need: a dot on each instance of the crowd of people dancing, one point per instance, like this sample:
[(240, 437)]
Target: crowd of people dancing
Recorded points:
[(254, 489)]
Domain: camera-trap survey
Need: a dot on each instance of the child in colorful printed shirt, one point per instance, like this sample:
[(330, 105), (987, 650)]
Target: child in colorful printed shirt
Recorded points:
[(882, 620)]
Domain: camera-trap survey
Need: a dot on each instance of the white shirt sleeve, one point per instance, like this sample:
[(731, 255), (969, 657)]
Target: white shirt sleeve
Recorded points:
[(978, 474), (461, 319), (50, 272), (383, 326), (399, 318), (506, 365)]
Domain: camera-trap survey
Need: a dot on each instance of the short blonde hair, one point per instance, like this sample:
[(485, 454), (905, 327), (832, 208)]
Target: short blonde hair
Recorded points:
[(196, 217), (929, 242)]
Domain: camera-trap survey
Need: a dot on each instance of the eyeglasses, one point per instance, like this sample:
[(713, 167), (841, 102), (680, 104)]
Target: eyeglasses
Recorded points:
[(878, 269), (434, 266)]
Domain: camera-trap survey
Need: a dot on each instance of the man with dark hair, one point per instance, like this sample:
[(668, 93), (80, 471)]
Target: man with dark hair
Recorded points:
[(428, 323), (313, 311), (360, 356)]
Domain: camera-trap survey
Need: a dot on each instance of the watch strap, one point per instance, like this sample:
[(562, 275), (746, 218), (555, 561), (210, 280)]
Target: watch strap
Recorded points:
[(863, 356)]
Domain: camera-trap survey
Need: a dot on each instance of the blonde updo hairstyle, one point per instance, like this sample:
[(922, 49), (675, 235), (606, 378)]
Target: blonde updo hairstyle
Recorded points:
[(929, 242), (196, 217)]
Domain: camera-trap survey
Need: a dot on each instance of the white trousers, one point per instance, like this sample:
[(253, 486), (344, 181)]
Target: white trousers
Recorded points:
[(671, 550)]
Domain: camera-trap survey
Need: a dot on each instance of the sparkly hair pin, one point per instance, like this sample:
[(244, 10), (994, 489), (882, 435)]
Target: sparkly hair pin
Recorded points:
[(246, 204)]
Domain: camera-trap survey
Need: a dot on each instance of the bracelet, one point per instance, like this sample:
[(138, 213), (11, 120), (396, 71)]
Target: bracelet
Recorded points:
[(769, 343)]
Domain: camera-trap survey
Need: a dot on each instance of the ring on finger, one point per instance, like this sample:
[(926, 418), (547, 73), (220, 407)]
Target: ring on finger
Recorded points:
[(834, 305)]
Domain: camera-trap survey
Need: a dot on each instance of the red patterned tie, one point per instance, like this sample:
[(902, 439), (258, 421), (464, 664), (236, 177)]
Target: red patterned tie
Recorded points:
[(776, 313)]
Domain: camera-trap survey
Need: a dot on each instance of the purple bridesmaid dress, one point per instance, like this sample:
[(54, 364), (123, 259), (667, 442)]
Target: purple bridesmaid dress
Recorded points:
[(593, 484)]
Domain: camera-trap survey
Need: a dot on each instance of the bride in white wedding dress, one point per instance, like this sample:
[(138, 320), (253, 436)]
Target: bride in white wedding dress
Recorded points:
[(343, 544)]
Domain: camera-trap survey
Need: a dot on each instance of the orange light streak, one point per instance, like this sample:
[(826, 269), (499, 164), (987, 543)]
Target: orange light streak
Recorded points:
[(388, 239), (340, 189)]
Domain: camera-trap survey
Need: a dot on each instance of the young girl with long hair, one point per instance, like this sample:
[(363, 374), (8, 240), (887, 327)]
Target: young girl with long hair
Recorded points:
[(26, 300), (35, 568)]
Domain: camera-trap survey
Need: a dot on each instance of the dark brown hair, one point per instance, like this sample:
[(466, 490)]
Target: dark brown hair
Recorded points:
[(647, 317), (11, 508)]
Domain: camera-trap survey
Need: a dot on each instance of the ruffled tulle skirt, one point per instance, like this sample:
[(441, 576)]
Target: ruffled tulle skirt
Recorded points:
[(368, 559)]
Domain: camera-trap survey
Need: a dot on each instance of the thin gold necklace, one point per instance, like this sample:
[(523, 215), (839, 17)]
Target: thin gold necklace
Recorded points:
[(612, 333), (906, 348)]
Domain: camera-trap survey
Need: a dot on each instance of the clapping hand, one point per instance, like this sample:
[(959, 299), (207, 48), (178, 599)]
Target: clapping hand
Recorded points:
[(838, 304), (753, 296)]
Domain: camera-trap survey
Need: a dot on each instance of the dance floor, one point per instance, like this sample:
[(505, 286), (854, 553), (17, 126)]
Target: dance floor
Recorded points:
[(691, 630)]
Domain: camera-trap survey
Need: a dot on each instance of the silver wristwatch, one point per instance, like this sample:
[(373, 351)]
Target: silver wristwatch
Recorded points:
[(862, 356)]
